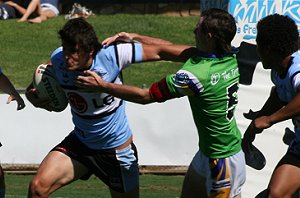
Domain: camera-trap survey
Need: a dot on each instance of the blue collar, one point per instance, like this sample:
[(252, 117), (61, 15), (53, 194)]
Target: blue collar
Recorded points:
[(211, 55)]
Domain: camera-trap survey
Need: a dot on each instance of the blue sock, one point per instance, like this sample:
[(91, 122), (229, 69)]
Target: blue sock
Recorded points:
[(2, 192)]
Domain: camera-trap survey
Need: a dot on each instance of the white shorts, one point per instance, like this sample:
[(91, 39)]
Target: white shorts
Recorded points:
[(48, 6), (225, 175)]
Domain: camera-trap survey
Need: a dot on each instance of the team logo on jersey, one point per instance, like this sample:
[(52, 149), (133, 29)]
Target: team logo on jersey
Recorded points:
[(214, 78), (182, 78), (77, 102)]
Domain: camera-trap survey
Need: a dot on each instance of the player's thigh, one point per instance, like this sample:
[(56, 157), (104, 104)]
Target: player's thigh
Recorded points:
[(58, 169), (283, 173), (288, 169), (194, 185), (220, 177)]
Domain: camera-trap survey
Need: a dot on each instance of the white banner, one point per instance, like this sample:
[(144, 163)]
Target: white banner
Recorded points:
[(165, 134)]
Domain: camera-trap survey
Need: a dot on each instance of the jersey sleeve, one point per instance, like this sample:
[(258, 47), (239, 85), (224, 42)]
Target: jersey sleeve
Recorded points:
[(296, 81), (183, 83), (57, 57), (294, 71), (128, 53)]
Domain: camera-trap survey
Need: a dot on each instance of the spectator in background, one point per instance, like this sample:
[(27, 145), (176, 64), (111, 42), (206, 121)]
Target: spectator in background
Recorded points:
[(7, 87), (45, 9), (13, 9)]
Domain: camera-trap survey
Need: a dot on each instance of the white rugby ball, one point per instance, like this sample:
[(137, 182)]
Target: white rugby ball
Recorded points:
[(47, 86)]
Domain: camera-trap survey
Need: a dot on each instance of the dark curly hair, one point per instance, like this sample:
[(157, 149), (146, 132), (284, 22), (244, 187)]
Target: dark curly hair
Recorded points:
[(78, 32), (278, 32), (221, 25)]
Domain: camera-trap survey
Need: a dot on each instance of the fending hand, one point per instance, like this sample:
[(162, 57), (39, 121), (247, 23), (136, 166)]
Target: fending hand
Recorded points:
[(122, 36), (20, 101)]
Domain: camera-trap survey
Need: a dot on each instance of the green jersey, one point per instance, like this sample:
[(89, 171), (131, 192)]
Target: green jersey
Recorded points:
[(211, 85)]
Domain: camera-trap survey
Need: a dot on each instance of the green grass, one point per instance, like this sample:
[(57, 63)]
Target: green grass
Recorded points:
[(151, 186), (23, 46)]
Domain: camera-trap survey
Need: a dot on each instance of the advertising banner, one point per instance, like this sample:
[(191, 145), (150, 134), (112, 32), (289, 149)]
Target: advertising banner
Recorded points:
[(248, 12)]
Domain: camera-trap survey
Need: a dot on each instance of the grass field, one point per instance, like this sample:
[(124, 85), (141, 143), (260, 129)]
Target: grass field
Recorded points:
[(26, 45), (151, 186)]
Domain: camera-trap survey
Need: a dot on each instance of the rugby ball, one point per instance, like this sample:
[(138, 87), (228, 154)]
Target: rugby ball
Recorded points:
[(47, 86)]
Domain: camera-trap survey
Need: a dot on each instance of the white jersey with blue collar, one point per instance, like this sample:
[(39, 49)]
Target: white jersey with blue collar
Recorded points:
[(287, 86), (99, 118)]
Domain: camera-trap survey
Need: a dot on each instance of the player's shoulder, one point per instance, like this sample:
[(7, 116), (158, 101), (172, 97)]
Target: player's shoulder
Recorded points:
[(57, 51), (296, 58), (57, 56), (294, 68)]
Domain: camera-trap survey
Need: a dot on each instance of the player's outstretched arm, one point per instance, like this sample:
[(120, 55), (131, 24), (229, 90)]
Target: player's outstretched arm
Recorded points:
[(177, 53), (155, 48), (130, 93), (7, 87), (133, 37), (288, 111)]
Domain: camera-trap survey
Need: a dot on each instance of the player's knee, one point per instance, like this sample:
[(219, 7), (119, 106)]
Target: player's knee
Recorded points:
[(278, 193), (37, 189)]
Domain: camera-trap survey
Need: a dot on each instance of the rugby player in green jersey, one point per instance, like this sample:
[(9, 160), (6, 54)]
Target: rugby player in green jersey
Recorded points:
[(210, 80)]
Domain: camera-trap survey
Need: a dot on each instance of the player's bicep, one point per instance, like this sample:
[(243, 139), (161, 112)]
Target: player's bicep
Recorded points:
[(179, 53), (150, 53)]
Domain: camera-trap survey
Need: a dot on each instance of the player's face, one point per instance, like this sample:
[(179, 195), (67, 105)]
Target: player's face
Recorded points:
[(78, 59), (264, 56)]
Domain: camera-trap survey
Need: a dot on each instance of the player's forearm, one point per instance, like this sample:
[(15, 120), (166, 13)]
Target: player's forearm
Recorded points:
[(129, 93), (178, 53), (149, 40), (272, 105), (292, 109), (6, 86)]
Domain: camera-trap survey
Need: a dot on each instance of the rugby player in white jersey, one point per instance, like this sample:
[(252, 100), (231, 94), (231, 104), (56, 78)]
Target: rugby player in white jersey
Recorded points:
[(101, 142)]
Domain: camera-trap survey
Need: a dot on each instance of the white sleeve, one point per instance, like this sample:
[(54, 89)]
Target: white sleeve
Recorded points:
[(296, 80), (127, 53)]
